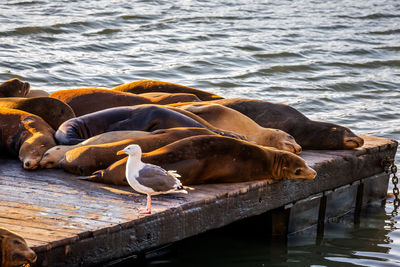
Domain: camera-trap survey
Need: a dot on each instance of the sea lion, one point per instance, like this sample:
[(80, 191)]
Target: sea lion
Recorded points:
[(26, 135), (52, 157), (87, 100), (308, 133), (85, 160), (231, 120), (216, 159), (145, 86), (14, 251), (169, 98), (140, 117), (52, 110), (14, 87), (37, 93)]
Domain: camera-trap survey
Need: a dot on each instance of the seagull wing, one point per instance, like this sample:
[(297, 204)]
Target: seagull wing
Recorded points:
[(158, 179)]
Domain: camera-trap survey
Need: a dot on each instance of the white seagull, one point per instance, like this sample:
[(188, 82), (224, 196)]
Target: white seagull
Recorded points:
[(149, 179)]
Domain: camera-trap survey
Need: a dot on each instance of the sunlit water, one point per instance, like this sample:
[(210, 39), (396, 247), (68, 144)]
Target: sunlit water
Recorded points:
[(336, 61)]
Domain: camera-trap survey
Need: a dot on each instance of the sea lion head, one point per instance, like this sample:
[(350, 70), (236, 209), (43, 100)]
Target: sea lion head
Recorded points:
[(325, 135), (287, 165), (14, 88), (38, 138), (284, 141), (13, 250), (53, 156)]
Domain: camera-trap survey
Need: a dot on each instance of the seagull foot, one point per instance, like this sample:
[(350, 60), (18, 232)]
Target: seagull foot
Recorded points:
[(144, 211)]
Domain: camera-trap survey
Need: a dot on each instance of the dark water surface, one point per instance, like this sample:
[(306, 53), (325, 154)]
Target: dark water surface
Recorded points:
[(337, 61)]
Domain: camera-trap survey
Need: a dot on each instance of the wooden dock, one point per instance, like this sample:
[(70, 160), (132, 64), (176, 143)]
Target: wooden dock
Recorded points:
[(69, 222)]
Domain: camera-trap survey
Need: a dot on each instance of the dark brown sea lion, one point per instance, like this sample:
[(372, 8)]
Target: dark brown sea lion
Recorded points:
[(52, 110), (14, 87), (308, 133), (87, 100), (216, 159), (13, 250), (85, 160), (146, 86), (25, 135), (53, 156), (169, 98), (231, 120), (141, 117)]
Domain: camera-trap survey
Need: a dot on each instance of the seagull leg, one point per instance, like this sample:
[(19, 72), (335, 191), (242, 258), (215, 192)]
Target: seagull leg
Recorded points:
[(147, 210)]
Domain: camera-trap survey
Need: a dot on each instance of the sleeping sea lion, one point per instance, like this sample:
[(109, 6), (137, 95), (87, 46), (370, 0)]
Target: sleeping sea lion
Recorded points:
[(140, 117), (52, 157), (231, 120), (52, 110), (14, 251), (37, 93), (169, 98), (14, 87), (87, 100), (25, 135), (216, 159), (146, 86), (85, 160), (308, 133)]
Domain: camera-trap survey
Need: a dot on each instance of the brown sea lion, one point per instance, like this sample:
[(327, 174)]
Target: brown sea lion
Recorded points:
[(14, 87), (52, 110), (85, 160), (140, 117), (231, 120), (14, 251), (308, 133), (216, 159), (25, 135), (37, 93), (169, 98), (87, 100), (146, 86), (52, 157)]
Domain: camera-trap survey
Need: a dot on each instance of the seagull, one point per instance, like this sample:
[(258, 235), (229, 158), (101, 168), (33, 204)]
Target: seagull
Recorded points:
[(149, 179)]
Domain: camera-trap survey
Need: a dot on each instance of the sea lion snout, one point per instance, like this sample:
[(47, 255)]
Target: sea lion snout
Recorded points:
[(353, 142)]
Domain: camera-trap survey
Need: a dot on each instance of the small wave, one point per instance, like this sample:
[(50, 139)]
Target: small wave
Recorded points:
[(108, 31), (371, 16), (366, 65), (288, 68), (276, 55), (390, 48), (31, 30), (385, 32)]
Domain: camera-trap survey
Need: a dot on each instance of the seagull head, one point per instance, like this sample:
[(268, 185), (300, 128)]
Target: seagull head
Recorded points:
[(132, 150)]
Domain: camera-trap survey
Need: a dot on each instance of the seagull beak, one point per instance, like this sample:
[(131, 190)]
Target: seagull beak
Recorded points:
[(120, 152)]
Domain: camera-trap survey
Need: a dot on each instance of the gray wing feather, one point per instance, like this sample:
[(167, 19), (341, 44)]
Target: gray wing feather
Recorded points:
[(156, 178)]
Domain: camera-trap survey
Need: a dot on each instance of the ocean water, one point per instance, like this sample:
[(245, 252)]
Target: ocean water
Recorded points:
[(336, 61)]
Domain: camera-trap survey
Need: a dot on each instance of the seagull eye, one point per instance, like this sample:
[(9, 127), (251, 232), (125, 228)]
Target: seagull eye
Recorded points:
[(297, 172)]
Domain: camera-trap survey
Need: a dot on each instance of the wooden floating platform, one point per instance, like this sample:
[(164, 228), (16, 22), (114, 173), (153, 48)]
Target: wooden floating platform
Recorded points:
[(70, 222)]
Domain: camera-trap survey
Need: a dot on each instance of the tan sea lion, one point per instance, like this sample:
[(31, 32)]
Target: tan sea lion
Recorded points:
[(231, 120), (169, 98), (25, 135), (52, 157), (307, 133), (140, 117), (146, 86), (14, 87), (216, 159), (85, 160), (52, 110), (37, 93), (13, 250), (87, 100)]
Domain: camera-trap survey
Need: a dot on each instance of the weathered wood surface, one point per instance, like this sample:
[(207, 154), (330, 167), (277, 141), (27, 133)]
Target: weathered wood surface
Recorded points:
[(72, 222)]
